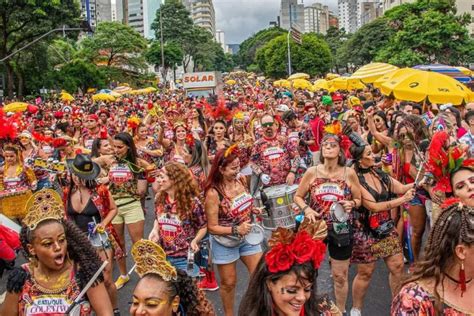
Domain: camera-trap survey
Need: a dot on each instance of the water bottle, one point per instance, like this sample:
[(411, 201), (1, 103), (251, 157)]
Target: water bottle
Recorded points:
[(190, 265)]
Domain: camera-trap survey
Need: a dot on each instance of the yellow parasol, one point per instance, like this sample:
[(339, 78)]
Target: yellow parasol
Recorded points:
[(230, 82), (301, 84), (282, 83), (122, 89), (103, 97), (321, 84), (91, 90), (345, 83), (421, 85), (15, 107), (371, 72), (151, 89), (66, 97), (331, 76), (299, 75), (392, 75)]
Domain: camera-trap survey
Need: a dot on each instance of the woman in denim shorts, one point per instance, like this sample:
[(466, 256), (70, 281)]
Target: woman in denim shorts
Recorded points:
[(229, 206)]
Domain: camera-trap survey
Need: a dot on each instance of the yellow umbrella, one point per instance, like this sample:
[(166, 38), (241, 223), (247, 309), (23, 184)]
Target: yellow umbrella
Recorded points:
[(103, 97), (91, 90), (231, 82), (393, 74), (321, 84), (331, 76), (421, 85), (371, 72), (282, 83), (122, 89), (298, 75), (115, 94), (66, 97), (301, 84), (346, 83), (151, 89), (15, 107)]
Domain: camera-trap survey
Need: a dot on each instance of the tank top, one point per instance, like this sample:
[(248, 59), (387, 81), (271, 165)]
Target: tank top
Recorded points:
[(325, 191), (86, 216), (236, 210), (36, 300)]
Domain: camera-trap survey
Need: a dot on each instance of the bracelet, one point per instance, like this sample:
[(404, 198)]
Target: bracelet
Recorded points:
[(305, 208), (235, 232)]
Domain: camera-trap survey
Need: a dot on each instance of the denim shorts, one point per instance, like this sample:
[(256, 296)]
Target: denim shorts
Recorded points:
[(226, 255), (181, 263)]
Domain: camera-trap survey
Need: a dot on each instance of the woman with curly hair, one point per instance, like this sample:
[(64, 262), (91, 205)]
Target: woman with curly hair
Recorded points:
[(163, 290), (180, 222), (61, 263)]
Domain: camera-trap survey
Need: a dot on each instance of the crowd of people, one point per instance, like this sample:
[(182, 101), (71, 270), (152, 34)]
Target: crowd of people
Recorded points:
[(271, 176)]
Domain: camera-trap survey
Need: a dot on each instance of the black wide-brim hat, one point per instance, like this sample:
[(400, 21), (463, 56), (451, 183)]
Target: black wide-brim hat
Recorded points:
[(83, 167)]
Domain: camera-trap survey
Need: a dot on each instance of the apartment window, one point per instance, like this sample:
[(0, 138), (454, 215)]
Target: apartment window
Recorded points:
[(472, 7)]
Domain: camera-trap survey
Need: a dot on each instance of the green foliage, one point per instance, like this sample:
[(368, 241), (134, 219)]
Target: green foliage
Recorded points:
[(116, 45), (177, 23), (312, 57), (335, 38), (173, 55), (23, 21), (80, 74), (427, 32), (362, 47), (248, 49)]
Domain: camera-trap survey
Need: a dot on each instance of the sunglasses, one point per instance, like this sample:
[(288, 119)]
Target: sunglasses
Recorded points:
[(269, 124), (378, 120)]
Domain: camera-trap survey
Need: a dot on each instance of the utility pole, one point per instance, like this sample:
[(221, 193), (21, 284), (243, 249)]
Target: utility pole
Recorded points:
[(125, 12), (288, 41)]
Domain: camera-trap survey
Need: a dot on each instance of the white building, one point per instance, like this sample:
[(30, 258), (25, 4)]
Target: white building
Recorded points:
[(220, 38), (291, 12), (348, 15), (389, 4), (368, 10), (202, 13), (316, 18), (141, 14), (95, 11)]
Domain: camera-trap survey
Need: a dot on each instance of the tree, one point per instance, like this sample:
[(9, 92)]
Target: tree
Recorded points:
[(248, 49), (80, 74), (427, 32), (23, 21), (116, 45), (312, 57), (362, 47), (173, 56), (335, 38)]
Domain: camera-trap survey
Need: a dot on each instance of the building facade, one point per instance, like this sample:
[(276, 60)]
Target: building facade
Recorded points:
[(467, 6), (202, 13), (291, 13), (368, 10), (316, 18), (95, 11), (348, 15), (141, 14), (389, 4), (333, 20)]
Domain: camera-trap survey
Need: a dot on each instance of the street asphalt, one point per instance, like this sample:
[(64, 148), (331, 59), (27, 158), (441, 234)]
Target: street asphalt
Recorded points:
[(377, 300)]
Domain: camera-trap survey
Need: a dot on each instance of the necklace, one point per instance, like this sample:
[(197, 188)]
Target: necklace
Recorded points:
[(60, 283), (456, 281)]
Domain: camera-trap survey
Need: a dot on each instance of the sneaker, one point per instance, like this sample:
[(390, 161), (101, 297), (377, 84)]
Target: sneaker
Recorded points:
[(355, 312), (202, 272), (207, 285), (121, 281)]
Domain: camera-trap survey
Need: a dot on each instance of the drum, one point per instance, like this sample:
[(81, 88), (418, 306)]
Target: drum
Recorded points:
[(338, 213), (255, 236), (5, 221), (279, 212)]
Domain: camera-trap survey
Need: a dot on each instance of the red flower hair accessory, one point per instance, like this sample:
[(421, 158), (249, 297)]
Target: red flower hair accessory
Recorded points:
[(288, 249), (233, 149), (190, 140)]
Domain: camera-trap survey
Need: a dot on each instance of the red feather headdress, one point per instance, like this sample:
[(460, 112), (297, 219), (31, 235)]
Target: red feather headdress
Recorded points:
[(9, 126), (41, 138), (220, 111), (445, 159)]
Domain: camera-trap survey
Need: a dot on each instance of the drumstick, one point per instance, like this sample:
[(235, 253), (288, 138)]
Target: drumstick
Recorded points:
[(86, 288)]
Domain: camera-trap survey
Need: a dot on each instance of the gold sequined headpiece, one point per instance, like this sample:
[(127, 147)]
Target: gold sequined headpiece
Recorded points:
[(150, 258), (43, 205)]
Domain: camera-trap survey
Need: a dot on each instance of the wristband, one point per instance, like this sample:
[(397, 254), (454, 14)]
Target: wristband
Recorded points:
[(305, 208), (235, 232)]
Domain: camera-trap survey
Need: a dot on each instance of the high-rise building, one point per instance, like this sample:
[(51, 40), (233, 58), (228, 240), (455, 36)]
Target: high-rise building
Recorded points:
[(368, 10), (291, 13), (348, 16), (465, 6), (202, 13), (316, 18), (95, 11), (220, 38), (141, 14), (333, 20), (389, 4)]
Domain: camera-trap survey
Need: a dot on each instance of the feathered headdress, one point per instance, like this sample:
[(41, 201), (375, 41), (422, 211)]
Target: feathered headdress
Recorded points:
[(219, 112), (133, 122), (40, 138), (335, 130), (445, 159), (288, 248), (9, 126)]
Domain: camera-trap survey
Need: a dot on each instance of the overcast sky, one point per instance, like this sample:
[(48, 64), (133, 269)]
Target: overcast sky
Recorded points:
[(239, 19)]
